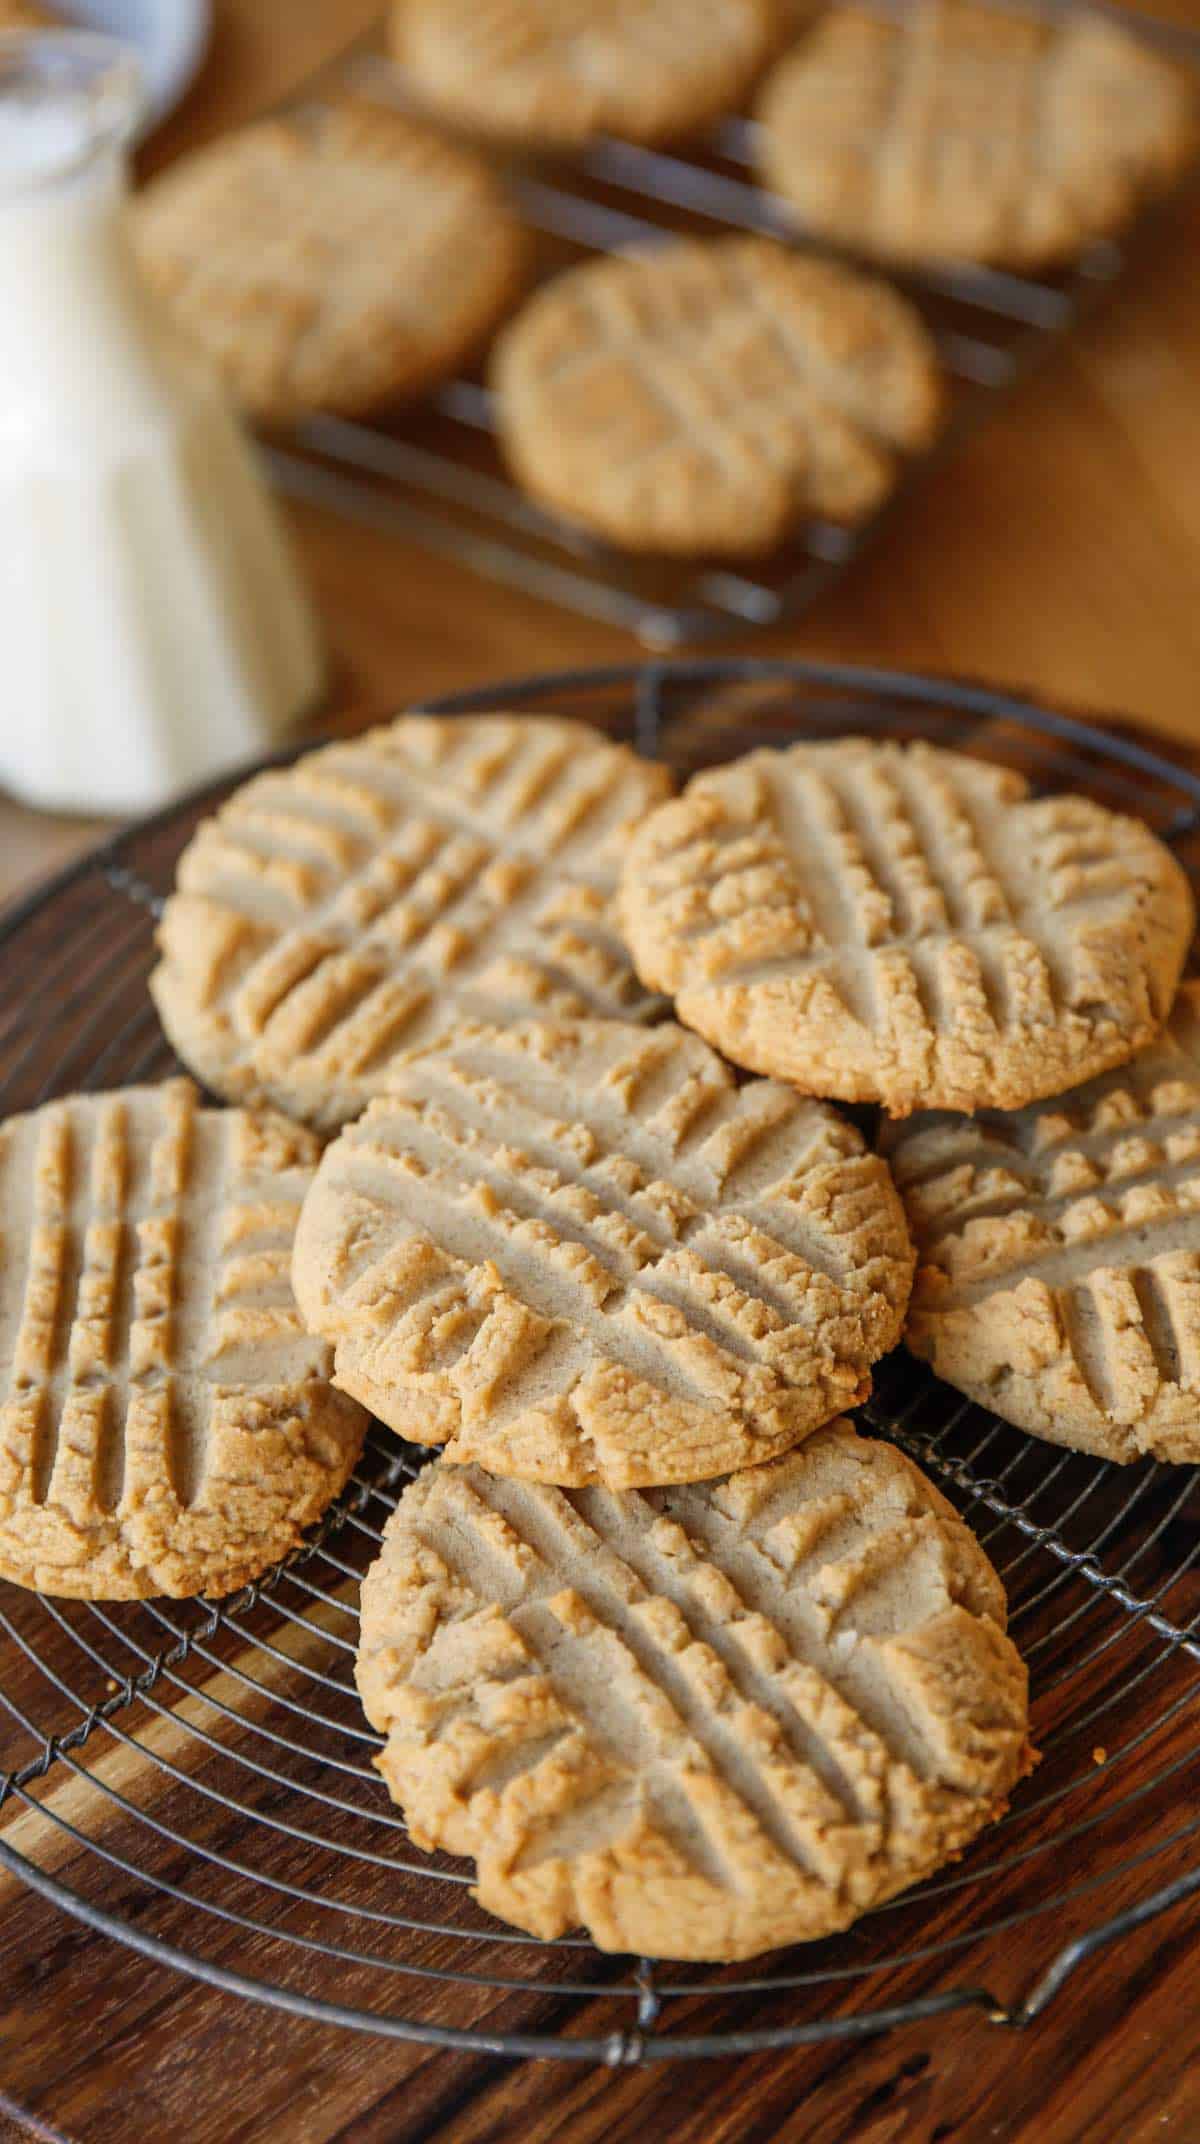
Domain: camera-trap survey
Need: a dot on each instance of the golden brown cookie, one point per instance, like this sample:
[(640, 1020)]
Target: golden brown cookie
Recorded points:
[(341, 911), (1059, 1247), (331, 260), (954, 130), (582, 1252), (562, 72), (26, 15), (902, 924), (699, 1722), (711, 395), (166, 1424)]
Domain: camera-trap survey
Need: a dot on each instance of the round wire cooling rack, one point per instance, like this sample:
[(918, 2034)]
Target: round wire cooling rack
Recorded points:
[(195, 1780)]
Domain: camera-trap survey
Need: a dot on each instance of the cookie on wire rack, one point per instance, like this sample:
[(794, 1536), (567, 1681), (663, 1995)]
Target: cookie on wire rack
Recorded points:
[(581, 1251), (711, 395), (955, 130), (339, 912), (1059, 1254), (331, 260), (899, 923), (698, 1722), (564, 72), (166, 1423)]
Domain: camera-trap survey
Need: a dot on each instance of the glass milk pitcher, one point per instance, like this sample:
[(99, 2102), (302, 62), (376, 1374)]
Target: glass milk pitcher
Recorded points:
[(152, 628)]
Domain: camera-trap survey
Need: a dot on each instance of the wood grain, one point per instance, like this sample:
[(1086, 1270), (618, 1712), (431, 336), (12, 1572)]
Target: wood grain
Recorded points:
[(1061, 551)]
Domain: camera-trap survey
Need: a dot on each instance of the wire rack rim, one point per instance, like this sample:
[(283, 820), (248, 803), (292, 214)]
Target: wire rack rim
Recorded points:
[(966, 695), (615, 2049), (625, 2047)]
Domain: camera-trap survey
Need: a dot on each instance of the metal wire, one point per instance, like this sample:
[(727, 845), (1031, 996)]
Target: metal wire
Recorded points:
[(445, 487), (222, 1801)]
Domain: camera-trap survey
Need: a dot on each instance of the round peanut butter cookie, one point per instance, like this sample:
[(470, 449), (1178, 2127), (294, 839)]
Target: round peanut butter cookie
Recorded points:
[(954, 130), (902, 924), (582, 1252), (1059, 1248), (709, 396), (698, 1722), (166, 1423), (332, 260), (360, 903), (562, 72)]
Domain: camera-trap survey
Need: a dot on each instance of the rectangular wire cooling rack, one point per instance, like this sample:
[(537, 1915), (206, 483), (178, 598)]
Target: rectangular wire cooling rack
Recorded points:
[(193, 1779), (435, 474)]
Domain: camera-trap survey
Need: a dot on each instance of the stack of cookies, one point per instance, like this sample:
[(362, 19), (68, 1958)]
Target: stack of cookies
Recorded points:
[(657, 1637), (907, 926), (705, 396)]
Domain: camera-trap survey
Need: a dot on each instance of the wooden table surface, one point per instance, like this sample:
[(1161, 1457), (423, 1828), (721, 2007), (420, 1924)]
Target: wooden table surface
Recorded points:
[(1060, 550)]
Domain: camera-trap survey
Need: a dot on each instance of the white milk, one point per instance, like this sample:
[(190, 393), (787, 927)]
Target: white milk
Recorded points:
[(152, 630)]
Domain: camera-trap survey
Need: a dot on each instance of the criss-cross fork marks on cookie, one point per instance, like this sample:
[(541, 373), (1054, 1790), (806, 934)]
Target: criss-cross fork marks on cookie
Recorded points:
[(1060, 1253), (699, 1721), (582, 1252), (963, 130), (151, 1352), (713, 394), (361, 903), (879, 921)]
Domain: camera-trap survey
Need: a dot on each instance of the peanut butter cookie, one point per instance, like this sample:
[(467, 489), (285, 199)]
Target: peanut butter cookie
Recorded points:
[(698, 1722), (342, 911), (330, 260), (166, 1424), (582, 1252), (561, 72), (1059, 1247), (902, 924), (953, 130), (708, 396)]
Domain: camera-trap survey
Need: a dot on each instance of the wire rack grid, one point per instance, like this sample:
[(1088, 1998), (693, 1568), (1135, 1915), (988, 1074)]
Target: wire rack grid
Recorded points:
[(194, 1779), (437, 477)]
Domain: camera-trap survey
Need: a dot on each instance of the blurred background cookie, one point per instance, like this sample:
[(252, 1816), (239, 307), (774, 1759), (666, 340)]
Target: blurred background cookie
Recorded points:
[(564, 71), (708, 396), (951, 129), (331, 260)]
